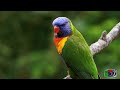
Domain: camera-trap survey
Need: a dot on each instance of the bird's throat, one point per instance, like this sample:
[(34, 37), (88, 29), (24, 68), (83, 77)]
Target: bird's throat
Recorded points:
[(59, 43)]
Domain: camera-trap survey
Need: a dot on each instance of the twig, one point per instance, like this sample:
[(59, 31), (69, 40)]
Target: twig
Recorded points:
[(105, 39)]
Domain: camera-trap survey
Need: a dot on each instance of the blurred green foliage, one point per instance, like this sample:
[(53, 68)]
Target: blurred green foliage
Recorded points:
[(27, 49)]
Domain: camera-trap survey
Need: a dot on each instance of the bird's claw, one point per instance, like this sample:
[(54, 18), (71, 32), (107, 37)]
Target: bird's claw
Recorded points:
[(68, 77)]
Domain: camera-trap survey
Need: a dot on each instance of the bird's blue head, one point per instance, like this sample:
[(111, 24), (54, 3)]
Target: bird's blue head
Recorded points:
[(62, 27)]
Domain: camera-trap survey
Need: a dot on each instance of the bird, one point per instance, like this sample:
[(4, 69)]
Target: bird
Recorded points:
[(74, 50)]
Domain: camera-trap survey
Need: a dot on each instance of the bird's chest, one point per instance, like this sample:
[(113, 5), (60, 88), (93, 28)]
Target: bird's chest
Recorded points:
[(60, 42)]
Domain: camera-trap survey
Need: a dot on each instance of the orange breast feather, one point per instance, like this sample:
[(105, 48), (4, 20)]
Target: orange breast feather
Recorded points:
[(60, 42)]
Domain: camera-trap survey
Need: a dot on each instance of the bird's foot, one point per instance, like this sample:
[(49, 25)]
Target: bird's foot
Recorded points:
[(68, 76)]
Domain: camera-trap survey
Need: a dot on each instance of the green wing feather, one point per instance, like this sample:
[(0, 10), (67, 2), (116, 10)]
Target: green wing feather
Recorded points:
[(77, 56)]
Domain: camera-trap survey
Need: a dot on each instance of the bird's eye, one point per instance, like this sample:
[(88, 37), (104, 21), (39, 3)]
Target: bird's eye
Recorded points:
[(63, 24)]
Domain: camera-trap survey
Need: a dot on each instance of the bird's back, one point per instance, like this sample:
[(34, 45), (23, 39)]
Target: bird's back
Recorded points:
[(77, 56)]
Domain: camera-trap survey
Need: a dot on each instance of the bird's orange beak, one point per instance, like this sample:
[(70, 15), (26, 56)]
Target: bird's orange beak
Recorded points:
[(56, 29)]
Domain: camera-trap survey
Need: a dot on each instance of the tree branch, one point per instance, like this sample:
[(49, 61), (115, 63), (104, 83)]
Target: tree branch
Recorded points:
[(103, 41)]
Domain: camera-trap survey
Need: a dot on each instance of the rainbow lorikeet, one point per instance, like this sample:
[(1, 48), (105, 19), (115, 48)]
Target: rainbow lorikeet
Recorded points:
[(74, 50)]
